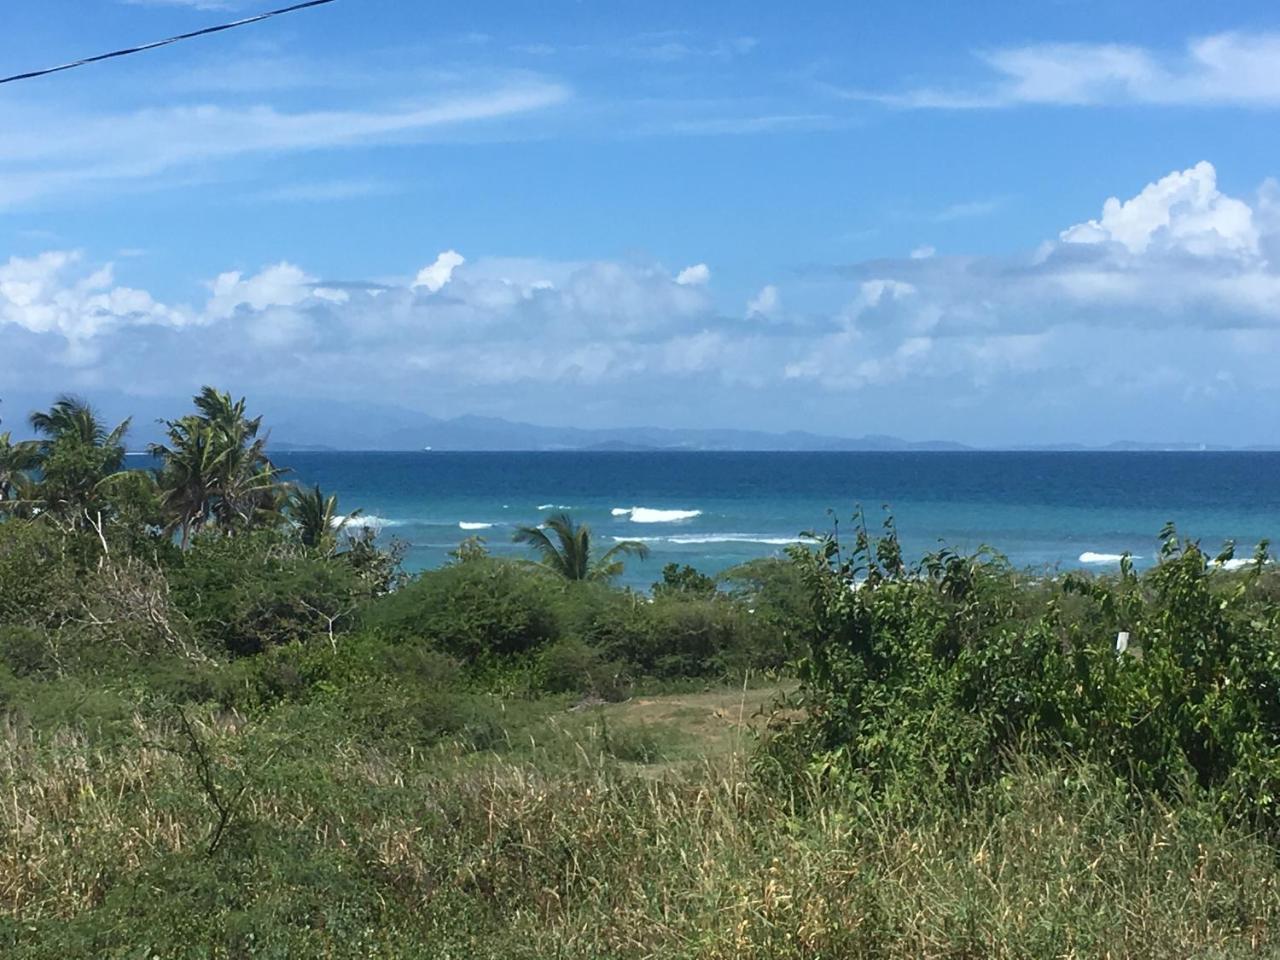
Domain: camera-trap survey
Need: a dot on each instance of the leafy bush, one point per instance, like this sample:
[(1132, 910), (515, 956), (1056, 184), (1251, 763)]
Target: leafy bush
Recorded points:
[(684, 580), (473, 611), (26, 651), (935, 675), (40, 571), (571, 666), (246, 593)]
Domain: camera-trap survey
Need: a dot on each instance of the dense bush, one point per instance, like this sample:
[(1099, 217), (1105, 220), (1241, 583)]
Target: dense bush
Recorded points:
[(487, 610), (40, 569), (247, 593), (935, 674), (473, 611)]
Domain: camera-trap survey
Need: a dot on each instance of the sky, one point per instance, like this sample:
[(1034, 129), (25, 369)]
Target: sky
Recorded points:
[(996, 223)]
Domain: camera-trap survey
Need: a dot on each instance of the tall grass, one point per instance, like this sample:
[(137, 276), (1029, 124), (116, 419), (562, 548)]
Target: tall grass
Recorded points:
[(552, 847)]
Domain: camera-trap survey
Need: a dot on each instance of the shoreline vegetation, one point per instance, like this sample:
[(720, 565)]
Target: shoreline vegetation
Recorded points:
[(231, 726)]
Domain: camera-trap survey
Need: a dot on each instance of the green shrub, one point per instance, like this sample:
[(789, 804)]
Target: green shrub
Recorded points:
[(932, 676), (246, 593), (571, 666), (684, 581), (26, 651), (473, 611), (672, 635), (40, 571)]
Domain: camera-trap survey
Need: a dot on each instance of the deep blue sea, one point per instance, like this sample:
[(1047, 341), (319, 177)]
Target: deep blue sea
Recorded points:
[(713, 510)]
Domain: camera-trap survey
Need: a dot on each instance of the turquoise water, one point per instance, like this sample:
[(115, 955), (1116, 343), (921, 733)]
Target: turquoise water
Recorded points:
[(713, 510)]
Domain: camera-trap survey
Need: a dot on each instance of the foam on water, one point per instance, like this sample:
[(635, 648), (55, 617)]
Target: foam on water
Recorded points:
[(553, 506), (1235, 563), (652, 515), (468, 525), (364, 520), (1090, 557), (694, 538)]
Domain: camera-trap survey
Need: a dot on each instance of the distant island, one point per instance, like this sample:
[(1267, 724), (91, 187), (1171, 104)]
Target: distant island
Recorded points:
[(322, 426)]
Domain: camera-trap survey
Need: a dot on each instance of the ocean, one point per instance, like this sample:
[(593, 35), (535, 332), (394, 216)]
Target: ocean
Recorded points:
[(715, 510)]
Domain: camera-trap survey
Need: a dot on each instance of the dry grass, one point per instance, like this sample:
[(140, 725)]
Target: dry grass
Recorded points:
[(341, 850)]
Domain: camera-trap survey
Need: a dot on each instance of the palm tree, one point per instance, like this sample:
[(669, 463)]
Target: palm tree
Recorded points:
[(569, 554), (72, 420), (75, 454), (316, 517), (215, 468), (17, 460), (188, 474)]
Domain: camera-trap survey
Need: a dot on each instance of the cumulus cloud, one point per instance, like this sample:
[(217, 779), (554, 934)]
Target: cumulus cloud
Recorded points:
[(435, 275), (695, 275), (1226, 68), (766, 303), (1183, 211), (1180, 255), (1169, 299), (43, 294)]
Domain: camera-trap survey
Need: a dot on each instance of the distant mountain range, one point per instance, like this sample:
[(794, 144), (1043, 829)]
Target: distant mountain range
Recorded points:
[(491, 433), (304, 424)]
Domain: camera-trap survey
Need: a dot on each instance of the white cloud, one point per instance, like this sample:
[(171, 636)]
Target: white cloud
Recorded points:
[(324, 191), (1182, 211), (1169, 297), (967, 210), (282, 285), (43, 295), (923, 252), (435, 275), (1225, 68), (196, 4), (766, 303), (696, 275), (57, 154)]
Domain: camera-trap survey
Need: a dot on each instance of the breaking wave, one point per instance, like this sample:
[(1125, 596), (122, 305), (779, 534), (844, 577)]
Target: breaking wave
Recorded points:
[(467, 525), (553, 506), (650, 515), (695, 538), (1090, 557), (1235, 563), (364, 521)]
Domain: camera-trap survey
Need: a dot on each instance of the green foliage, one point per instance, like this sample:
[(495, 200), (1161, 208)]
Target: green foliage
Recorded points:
[(17, 461), (684, 581), (473, 611), (572, 666), (25, 651), (75, 456), (248, 593), (932, 676), (215, 470), (470, 549), (315, 518), (40, 571), (566, 550)]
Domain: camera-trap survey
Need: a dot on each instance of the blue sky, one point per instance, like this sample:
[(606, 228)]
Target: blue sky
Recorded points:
[(853, 218)]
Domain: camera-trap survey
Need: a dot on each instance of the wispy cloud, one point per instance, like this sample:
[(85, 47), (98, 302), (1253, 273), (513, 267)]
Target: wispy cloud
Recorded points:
[(321, 191), (743, 125), (56, 154), (659, 47), (1226, 68), (968, 210), (195, 4)]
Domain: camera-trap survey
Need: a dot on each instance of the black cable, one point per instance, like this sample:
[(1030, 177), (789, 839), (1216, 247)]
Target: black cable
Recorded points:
[(162, 43)]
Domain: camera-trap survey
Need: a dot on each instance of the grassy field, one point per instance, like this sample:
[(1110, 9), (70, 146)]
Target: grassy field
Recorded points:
[(621, 830)]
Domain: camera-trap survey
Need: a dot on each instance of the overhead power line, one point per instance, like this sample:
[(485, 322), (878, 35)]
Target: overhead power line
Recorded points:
[(164, 43)]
